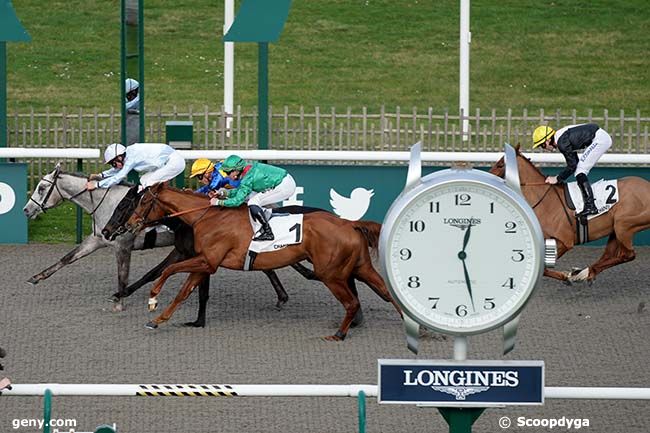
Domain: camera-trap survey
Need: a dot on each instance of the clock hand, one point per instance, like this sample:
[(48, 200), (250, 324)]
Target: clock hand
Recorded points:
[(469, 284), (462, 255), (466, 238)]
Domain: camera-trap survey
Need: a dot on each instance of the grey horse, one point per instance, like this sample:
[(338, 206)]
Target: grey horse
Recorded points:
[(58, 186)]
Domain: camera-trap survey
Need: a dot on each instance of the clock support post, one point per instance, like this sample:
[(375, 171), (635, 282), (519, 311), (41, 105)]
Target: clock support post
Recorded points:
[(460, 420)]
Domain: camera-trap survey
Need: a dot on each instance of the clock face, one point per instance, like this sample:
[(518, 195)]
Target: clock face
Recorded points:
[(462, 257)]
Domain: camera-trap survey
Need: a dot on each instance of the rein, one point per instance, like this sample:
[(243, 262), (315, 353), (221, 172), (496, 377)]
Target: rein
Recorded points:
[(550, 187), (183, 212), (92, 202), (186, 211)]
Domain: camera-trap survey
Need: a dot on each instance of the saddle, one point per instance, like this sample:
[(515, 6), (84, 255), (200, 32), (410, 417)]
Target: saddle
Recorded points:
[(605, 195), (287, 229)]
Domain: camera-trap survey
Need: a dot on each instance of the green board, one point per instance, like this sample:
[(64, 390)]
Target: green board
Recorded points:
[(366, 192), (13, 191)]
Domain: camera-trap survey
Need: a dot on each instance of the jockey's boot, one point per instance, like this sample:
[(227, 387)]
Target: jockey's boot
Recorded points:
[(587, 196), (265, 233)]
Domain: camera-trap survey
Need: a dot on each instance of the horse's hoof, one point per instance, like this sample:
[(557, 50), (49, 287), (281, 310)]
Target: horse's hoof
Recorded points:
[(115, 297), (195, 324), (151, 325), (118, 307), (567, 282), (332, 338), (33, 281), (153, 304), (574, 271), (582, 276), (281, 301), (358, 319)]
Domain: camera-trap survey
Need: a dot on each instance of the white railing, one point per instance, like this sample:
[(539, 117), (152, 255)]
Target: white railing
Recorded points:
[(204, 390), (318, 155)]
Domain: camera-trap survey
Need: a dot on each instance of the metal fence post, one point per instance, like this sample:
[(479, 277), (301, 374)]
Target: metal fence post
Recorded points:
[(79, 211), (47, 410), (361, 399)]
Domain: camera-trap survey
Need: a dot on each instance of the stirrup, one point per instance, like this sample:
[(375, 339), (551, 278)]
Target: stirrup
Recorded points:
[(264, 235), (588, 210)]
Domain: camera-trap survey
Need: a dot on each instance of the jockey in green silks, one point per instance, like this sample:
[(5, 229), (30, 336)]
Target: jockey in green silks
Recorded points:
[(260, 185)]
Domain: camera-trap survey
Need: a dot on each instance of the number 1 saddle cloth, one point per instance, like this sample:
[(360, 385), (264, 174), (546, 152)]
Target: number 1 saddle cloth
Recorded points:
[(287, 230)]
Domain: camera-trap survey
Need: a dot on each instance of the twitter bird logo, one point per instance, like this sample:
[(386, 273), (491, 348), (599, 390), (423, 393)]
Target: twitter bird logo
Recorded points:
[(353, 208)]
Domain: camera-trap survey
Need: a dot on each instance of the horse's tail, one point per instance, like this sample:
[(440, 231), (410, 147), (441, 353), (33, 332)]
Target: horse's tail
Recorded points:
[(370, 231)]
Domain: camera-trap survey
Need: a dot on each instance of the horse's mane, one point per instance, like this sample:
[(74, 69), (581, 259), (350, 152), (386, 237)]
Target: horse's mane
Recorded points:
[(528, 160), (81, 175), (184, 191), (75, 174)]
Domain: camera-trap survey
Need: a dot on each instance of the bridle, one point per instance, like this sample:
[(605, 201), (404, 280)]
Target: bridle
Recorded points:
[(54, 186)]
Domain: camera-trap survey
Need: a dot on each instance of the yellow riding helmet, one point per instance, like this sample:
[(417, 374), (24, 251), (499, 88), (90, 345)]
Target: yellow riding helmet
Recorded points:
[(541, 134), (201, 166)]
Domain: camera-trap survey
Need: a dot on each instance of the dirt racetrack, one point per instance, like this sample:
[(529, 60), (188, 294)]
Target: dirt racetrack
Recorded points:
[(62, 331)]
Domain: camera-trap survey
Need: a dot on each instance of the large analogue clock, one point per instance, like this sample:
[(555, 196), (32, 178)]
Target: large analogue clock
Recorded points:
[(462, 252)]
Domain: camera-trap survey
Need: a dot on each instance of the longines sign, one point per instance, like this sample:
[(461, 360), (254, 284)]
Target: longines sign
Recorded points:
[(466, 383)]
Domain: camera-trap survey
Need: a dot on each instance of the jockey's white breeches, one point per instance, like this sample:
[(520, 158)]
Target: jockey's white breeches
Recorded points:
[(591, 155), (283, 191), (175, 165)]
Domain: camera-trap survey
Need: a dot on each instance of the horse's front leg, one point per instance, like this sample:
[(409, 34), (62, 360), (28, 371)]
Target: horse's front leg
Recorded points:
[(279, 288), (193, 264), (192, 281), (173, 257), (204, 295), (88, 246), (123, 257)]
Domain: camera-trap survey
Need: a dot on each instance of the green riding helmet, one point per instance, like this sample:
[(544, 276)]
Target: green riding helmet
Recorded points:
[(232, 163)]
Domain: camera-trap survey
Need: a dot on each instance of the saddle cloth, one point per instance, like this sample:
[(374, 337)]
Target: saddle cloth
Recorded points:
[(287, 230), (605, 193)]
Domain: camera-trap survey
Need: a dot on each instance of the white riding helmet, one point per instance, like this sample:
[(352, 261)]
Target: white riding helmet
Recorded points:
[(112, 151), (130, 84)]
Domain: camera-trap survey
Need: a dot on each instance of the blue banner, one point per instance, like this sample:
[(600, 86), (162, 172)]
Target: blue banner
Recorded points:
[(461, 383)]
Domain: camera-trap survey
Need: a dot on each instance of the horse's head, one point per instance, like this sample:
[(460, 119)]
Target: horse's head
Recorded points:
[(149, 209), (116, 225), (527, 170), (46, 195)]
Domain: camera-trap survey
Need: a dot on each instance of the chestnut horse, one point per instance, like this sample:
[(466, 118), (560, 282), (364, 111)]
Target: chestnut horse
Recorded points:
[(630, 215), (338, 249)]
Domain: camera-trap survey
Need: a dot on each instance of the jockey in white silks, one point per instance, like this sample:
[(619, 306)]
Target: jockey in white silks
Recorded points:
[(157, 162)]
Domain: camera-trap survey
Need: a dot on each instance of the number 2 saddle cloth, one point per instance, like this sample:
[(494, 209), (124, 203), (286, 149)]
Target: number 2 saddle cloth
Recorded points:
[(605, 193)]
